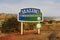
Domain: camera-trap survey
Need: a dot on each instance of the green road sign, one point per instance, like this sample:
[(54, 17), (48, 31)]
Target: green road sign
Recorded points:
[(30, 15)]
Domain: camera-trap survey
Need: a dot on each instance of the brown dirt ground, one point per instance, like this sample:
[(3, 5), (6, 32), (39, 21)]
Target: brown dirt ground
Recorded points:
[(27, 36)]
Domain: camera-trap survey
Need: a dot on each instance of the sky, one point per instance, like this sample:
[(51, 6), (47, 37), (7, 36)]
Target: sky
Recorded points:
[(47, 7)]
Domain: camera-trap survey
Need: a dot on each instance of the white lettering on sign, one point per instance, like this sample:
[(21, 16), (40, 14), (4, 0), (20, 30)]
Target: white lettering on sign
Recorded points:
[(30, 10)]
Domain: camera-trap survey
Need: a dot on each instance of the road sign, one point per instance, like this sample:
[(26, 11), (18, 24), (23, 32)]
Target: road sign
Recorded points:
[(38, 26), (30, 15)]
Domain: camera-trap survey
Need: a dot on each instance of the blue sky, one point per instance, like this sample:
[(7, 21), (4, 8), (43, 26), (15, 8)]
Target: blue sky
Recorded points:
[(48, 7)]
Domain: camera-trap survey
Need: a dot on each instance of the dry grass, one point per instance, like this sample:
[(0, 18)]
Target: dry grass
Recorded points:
[(46, 30)]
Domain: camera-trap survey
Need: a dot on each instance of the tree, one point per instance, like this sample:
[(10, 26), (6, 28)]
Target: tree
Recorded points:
[(10, 25)]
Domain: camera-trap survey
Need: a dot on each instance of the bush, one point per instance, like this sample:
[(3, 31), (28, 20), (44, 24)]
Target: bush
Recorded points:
[(52, 36), (10, 25), (29, 26)]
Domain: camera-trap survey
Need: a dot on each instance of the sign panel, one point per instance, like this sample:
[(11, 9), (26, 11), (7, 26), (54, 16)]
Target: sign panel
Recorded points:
[(30, 15), (38, 25)]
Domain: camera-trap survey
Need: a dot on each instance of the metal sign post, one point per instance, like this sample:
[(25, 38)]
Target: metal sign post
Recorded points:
[(38, 31), (38, 26), (21, 28)]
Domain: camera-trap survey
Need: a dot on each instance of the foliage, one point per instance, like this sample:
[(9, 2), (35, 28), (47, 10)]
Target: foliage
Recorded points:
[(52, 36), (10, 25), (29, 26), (50, 22)]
